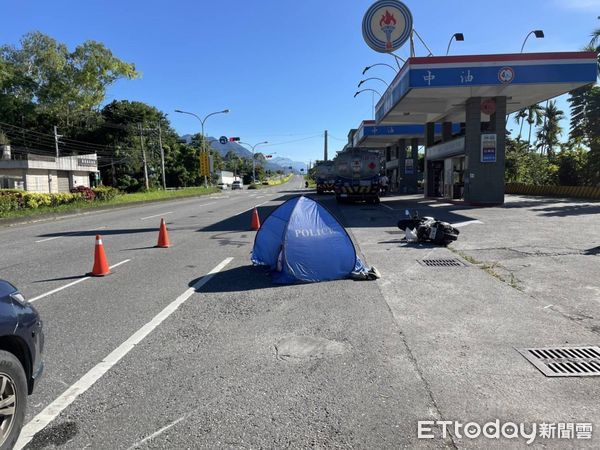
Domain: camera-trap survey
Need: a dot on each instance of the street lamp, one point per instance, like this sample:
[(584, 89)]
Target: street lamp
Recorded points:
[(363, 90), (373, 91), (539, 34), (225, 111), (253, 160), (373, 78), (379, 64), (459, 38)]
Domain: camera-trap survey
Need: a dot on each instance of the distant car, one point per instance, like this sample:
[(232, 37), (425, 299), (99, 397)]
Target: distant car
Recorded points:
[(237, 184), (222, 186), (265, 183), (21, 347)]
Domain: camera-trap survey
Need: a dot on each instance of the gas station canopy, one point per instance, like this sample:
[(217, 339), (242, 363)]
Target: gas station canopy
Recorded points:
[(436, 88), (371, 135)]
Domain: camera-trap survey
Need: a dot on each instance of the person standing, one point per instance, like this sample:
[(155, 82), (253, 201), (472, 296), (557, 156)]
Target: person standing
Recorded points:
[(383, 183)]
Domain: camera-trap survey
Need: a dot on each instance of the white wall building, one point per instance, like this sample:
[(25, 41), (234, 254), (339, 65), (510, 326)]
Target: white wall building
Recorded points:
[(46, 174)]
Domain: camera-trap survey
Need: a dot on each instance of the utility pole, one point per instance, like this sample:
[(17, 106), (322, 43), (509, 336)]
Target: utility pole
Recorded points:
[(325, 148), (144, 158), (162, 157), (113, 171), (56, 136)]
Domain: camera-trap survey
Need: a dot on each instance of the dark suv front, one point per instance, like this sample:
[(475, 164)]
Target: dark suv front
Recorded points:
[(21, 365)]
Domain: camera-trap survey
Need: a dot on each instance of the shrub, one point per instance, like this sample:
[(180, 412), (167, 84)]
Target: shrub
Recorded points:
[(64, 198), (86, 193), (8, 203), (33, 200), (105, 193)]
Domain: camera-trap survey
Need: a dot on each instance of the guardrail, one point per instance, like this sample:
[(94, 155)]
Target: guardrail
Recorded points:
[(589, 192)]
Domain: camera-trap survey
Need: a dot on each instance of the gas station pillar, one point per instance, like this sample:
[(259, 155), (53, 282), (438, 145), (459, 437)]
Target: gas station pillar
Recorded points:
[(484, 173), (400, 180), (429, 141)]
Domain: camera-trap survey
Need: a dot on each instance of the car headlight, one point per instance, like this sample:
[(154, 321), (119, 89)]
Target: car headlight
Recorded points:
[(18, 297)]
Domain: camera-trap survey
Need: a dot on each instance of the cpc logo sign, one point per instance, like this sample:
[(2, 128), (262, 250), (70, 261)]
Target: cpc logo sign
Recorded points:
[(506, 75), (387, 25)]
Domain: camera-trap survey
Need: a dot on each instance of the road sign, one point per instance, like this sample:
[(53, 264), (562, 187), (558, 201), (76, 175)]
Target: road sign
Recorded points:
[(204, 164), (387, 25), (223, 140)]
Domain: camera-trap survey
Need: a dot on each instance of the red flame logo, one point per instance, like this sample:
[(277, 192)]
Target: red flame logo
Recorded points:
[(387, 19)]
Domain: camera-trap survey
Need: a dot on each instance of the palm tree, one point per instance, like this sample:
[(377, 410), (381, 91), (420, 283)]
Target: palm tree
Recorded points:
[(534, 116), (595, 41), (548, 134), (520, 119)]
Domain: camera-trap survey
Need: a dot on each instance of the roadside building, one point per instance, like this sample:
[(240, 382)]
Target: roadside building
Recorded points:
[(24, 169)]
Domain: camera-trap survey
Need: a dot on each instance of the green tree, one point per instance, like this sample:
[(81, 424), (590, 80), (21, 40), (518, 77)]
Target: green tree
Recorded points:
[(534, 117), (572, 164), (549, 132), (46, 84), (520, 119)]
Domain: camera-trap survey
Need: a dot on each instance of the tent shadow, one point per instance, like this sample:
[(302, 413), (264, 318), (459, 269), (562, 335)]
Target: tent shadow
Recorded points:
[(238, 279)]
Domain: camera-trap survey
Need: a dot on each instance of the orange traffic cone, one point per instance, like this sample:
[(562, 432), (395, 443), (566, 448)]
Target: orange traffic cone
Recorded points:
[(163, 235), (100, 263), (255, 224)]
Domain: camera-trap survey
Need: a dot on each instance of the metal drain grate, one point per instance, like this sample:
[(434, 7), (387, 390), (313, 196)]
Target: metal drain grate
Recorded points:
[(443, 262), (564, 361)]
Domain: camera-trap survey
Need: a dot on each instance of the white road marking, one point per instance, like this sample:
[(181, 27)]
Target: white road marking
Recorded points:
[(388, 207), (72, 283), (250, 209), (465, 223), (157, 215), (159, 432), (440, 205), (260, 196), (50, 412), (49, 239), (74, 233)]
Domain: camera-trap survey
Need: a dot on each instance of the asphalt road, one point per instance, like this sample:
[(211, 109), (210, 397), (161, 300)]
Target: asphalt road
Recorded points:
[(192, 347)]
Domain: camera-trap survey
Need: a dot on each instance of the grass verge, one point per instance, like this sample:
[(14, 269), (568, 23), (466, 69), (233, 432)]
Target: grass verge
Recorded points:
[(494, 269), (138, 197)]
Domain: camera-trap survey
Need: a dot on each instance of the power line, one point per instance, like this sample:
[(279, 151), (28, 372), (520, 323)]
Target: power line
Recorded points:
[(296, 140)]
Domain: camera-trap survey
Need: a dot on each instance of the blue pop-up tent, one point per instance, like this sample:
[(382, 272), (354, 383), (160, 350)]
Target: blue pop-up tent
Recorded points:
[(302, 242)]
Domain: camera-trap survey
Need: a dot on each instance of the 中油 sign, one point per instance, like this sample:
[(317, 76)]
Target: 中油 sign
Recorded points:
[(387, 25), (488, 148)]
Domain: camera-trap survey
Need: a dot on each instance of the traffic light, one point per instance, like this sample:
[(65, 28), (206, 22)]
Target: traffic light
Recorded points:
[(234, 139), (268, 156)]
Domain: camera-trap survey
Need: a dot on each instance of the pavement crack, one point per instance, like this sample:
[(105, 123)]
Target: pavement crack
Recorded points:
[(450, 439)]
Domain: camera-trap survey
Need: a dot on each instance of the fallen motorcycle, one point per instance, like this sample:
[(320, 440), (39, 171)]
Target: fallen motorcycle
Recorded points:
[(428, 229)]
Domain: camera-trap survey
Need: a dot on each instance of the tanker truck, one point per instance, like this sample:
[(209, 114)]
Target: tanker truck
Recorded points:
[(357, 175), (325, 176)]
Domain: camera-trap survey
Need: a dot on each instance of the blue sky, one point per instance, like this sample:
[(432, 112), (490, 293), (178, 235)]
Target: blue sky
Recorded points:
[(286, 69)]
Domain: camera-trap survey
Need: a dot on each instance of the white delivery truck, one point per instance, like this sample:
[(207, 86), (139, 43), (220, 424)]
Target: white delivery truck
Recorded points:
[(226, 179)]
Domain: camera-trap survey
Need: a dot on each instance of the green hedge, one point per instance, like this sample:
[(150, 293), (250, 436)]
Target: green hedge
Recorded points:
[(106, 193), (13, 200)]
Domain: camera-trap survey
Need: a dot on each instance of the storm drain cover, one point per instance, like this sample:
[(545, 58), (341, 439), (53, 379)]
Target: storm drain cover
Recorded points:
[(564, 361), (442, 262)]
